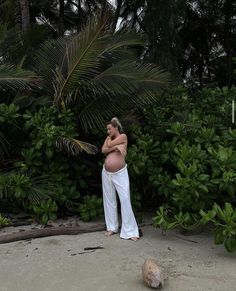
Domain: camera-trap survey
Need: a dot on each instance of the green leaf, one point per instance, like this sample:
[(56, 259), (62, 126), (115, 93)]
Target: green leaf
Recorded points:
[(93, 213), (230, 244), (219, 237), (204, 188), (44, 218), (49, 152)]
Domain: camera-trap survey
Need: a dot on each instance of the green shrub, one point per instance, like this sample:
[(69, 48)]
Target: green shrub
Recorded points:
[(42, 172), (3, 221), (225, 221), (46, 210), (195, 158), (90, 208)]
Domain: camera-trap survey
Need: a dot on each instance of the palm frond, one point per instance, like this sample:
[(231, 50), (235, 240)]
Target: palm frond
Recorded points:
[(48, 58), (119, 79), (118, 43), (81, 60), (121, 88), (41, 188), (96, 113), (88, 70), (74, 146), (3, 146), (3, 29), (67, 64), (152, 77), (12, 78), (140, 83), (5, 175), (125, 77), (7, 10)]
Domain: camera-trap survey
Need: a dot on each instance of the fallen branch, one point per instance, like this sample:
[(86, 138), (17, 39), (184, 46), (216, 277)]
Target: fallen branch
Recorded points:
[(186, 239), (93, 248), (44, 232), (92, 251), (19, 223)]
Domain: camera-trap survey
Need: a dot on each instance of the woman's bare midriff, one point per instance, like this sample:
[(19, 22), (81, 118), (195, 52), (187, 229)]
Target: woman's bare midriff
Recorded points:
[(114, 162)]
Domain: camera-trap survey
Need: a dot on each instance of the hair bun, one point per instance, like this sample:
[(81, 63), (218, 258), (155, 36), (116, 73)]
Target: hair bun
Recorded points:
[(117, 122), (115, 119)]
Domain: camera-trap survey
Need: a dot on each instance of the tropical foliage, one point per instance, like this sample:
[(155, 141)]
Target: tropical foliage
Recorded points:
[(186, 157), (75, 83), (67, 67)]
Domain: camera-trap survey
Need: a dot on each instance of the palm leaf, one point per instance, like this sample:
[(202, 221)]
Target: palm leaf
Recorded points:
[(120, 88), (48, 58), (7, 10), (74, 146), (82, 60), (41, 188), (12, 78), (96, 71), (68, 64), (3, 146), (96, 113), (118, 44), (126, 78)]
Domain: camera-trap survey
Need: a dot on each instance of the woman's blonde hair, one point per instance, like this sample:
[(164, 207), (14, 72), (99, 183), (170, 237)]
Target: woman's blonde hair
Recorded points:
[(116, 123)]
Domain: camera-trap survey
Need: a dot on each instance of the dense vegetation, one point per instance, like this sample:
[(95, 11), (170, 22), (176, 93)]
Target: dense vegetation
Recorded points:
[(185, 156), (166, 68)]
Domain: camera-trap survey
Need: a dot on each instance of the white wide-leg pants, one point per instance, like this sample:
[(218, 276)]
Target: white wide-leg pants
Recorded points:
[(112, 182)]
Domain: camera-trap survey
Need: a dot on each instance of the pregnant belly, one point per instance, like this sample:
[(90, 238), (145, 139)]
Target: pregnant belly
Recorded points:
[(114, 162)]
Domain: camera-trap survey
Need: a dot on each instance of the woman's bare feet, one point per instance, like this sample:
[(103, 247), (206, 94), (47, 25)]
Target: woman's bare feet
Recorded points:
[(134, 238), (109, 233)]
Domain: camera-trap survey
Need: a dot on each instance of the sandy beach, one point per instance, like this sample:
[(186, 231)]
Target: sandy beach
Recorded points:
[(60, 263)]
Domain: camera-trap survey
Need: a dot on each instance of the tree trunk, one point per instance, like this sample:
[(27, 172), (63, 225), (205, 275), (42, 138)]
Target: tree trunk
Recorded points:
[(103, 10), (117, 14), (80, 15), (43, 232), (61, 18), (25, 14)]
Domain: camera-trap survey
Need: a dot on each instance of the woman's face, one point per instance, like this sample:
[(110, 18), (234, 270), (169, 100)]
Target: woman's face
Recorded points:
[(111, 130)]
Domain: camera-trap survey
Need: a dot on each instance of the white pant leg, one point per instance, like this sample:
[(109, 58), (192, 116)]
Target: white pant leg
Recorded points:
[(129, 226), (109, 202)]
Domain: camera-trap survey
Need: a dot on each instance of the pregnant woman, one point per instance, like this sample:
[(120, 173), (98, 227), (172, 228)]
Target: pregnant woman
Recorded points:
[(115, 178)]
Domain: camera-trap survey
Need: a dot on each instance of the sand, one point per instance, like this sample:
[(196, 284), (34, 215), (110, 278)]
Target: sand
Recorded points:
[(60, 263)]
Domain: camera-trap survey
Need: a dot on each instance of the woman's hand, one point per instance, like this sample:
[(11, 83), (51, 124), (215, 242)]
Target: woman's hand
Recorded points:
[(121, 149), (121, 139), (108, 141)]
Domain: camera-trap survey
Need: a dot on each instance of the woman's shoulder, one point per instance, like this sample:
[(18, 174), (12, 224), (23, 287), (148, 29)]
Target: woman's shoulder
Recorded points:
[(123, 135)]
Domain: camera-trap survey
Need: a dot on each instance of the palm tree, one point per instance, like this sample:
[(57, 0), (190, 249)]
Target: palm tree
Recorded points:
[(12, 78), (15, 78), (25, 14), (96, 73), (8, 13)]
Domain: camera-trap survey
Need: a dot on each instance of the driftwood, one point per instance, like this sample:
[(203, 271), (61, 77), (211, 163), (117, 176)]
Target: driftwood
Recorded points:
[(19, 223), (43, 232)]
